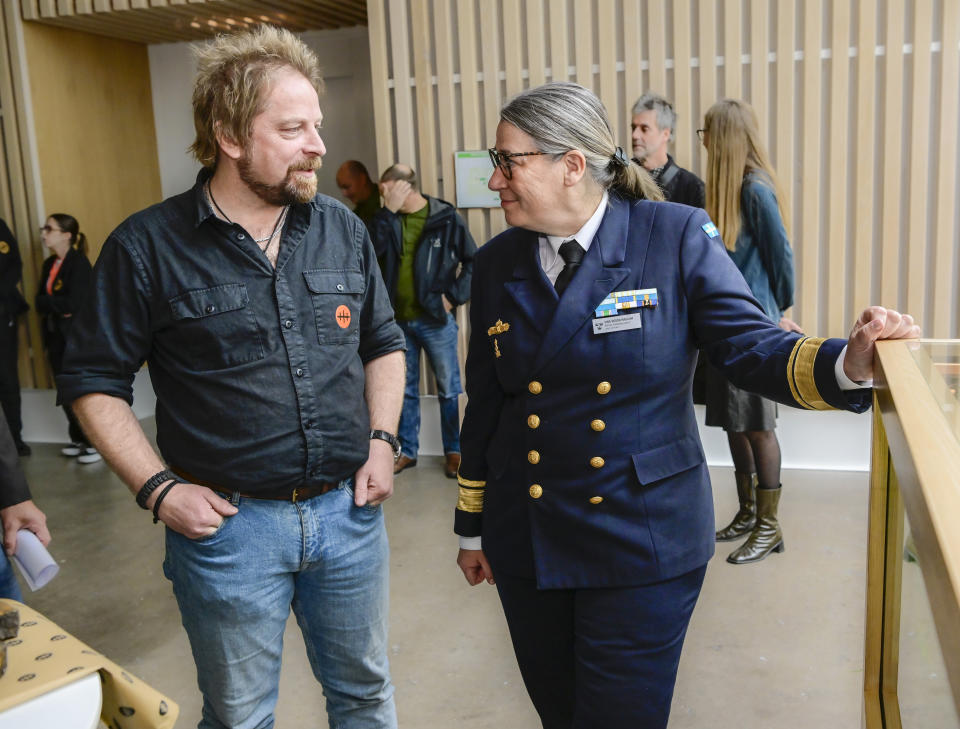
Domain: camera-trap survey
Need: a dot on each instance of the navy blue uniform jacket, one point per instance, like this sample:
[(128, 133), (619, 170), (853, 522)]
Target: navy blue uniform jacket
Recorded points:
[(581, 460)]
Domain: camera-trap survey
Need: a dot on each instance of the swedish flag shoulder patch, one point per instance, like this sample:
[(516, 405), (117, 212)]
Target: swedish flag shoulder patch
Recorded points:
[(711, 230)]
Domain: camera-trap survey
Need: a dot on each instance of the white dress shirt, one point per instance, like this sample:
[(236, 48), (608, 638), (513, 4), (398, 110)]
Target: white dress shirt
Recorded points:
[(550, 259)]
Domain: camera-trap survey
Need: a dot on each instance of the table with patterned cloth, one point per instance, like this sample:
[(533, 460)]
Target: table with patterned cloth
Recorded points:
[(43, 659)]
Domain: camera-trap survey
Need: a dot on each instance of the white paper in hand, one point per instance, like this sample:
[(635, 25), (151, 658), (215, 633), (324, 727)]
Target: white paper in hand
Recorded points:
[(35, 563)]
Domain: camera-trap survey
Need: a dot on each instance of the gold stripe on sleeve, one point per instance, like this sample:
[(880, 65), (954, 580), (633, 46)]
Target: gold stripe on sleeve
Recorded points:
[(803, 386), (471, 498), (470, 484)]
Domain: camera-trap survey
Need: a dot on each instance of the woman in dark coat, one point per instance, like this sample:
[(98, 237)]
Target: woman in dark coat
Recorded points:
[(64, 280)]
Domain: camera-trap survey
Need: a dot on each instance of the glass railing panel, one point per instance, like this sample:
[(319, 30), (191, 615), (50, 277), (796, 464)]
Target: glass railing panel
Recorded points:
[(926, 701)]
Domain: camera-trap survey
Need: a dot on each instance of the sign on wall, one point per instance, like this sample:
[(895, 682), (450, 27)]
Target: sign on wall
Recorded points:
[(473, 169)]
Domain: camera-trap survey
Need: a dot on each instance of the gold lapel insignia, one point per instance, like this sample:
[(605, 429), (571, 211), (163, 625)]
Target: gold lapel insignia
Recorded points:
[(4, 247), (499, 328), (58, 284)]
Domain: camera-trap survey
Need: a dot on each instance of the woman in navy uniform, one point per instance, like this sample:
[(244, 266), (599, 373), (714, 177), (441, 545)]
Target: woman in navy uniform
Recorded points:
[(584, 494), (65, 279)]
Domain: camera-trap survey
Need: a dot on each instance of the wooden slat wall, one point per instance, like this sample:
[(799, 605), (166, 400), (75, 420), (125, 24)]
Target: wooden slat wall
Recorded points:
[(18, 205), (858, 104)]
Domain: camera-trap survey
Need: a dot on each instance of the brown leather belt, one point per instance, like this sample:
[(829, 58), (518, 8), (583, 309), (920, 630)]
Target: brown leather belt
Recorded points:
[(301, 493)]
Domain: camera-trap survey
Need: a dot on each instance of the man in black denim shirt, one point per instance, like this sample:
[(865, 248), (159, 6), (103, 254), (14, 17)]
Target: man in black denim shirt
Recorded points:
[(278, 369)]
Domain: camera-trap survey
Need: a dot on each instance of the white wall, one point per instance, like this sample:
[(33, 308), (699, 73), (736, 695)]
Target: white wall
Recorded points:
[(44, 421), (347, 105)]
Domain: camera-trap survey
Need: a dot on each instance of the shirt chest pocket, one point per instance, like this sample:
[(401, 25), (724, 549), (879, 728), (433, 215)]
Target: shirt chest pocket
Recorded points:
[(337, 297), (214, 328)]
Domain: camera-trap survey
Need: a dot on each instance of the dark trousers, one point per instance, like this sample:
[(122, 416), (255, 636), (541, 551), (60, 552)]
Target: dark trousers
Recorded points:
[(9, 379), (604, 657), (56, 346)]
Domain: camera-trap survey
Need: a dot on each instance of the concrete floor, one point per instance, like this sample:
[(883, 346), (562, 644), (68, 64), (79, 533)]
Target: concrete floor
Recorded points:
[(775, 644)]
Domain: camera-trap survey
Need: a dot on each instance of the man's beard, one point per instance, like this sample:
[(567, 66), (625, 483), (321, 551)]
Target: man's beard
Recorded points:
[(292, 189), (640, 154)]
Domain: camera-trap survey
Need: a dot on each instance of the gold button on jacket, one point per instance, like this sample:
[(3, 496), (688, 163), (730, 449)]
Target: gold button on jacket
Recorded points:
[(535, 387), (536, 491), (533, 457), (597, 462), (598, 425), (596, 499), (533, 421), (603, 388)]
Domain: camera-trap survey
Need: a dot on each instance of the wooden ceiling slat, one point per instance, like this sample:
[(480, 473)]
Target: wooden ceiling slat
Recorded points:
[(164, 21), (127, 26), (181, 17), (345, 10), (29, 10), (119, 31), (309, 21)]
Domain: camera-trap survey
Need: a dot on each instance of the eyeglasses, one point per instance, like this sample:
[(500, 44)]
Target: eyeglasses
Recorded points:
[(49, 229), (502, 160), (700, 133)]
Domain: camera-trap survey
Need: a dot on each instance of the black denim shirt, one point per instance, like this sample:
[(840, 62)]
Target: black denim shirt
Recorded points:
[(258, 372)]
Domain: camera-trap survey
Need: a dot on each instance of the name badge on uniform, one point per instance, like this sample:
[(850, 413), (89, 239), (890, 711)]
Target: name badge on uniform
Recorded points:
[(608, 317), (608, 325), (621, 300)]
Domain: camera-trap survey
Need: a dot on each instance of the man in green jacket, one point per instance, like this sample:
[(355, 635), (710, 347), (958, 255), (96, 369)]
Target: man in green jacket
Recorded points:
[(426, 256)]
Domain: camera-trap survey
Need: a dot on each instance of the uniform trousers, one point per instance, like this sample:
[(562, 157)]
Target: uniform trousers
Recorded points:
[(600, 658)]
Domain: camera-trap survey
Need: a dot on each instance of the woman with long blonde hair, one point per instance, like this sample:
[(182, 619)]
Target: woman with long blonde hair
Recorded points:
[(747, 205)]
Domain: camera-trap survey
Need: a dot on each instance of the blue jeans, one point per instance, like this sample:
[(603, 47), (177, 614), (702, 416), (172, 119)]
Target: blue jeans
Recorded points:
[(9, 588), (324, 557), (439, 341)]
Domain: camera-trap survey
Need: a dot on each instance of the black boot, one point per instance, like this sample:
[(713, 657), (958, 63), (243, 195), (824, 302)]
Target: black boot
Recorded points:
[(746, 517), (766, 536)]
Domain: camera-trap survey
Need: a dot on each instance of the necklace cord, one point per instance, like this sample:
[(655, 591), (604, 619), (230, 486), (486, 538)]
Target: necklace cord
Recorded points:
[(258, 241)]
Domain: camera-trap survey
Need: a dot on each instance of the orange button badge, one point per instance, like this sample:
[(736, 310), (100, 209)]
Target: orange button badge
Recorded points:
[(343, 316)]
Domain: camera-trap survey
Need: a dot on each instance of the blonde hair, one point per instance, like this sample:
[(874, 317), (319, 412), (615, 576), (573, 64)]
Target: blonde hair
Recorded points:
[(233, 73), (561, 116), (734, 149)]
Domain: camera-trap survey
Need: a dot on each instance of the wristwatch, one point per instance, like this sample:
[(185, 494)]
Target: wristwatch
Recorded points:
[(390, 438)]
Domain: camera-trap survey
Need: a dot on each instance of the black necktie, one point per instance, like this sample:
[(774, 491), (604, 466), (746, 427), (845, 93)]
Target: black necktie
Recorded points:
[(572, 254)]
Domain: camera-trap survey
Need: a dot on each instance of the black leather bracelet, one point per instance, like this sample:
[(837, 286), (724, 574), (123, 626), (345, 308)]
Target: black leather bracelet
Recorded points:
[(151, 485), (160, 498)]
